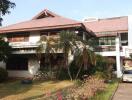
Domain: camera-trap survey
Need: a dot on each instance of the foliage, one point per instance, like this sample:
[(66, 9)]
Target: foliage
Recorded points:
[(85, 60), (63, 75), (3, 74), (47, 46), (5, 5), (93, 88), (88, 89), (5, 49), (67, 43), (131, 56), (74, 71), (45, 74), (101, 63), (104, 66), (84, 57), (70, 44), (106, 93)]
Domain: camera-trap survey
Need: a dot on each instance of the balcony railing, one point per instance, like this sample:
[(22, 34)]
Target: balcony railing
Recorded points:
[(24, 51), (23, 44), (105, 48)]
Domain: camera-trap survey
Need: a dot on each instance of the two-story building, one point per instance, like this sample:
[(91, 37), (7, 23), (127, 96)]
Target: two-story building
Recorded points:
[(24, 37), (114, 36)]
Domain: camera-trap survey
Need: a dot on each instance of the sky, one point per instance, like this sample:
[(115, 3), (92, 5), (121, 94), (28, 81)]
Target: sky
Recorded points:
[(75, 9)]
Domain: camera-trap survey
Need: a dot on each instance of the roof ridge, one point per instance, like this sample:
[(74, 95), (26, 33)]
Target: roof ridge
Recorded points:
[(45, 11)]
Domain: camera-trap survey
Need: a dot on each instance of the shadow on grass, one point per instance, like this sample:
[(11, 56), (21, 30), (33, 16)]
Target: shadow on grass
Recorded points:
[(38, 89), (13, 88)]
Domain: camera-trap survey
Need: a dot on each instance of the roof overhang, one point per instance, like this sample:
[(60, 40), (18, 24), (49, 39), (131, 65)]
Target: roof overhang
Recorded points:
[(42, 28), (112, 33)]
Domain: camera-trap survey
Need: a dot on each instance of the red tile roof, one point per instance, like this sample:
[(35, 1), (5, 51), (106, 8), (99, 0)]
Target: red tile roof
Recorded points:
[(49, 21), (108, 25)]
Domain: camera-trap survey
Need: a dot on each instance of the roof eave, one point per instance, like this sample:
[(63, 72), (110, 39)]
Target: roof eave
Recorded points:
[(41, 28)]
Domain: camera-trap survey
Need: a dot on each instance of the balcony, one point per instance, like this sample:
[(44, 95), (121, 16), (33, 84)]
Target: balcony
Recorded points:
[(24, 51), (105, 48), (23, 45)]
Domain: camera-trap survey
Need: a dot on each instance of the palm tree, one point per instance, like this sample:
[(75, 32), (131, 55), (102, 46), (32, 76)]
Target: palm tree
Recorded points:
[(71, 42), (47, 46), (84, 58), (67, 44)]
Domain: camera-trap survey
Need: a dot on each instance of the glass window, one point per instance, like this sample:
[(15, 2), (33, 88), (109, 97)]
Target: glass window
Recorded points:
[(17, 63), (124, 39), (128, 72), (107, 41)]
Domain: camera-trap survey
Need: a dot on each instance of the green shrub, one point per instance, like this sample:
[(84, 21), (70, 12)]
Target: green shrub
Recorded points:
[(63, 75), (3, 74), (74, 69)]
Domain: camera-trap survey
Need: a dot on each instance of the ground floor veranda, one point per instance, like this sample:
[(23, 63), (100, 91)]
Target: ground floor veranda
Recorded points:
[(26, 65)]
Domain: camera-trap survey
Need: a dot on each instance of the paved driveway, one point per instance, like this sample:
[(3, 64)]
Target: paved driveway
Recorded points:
[(124, 92)]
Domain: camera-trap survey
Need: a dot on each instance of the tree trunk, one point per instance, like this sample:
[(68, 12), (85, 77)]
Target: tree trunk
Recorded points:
[(78, 72), (67, 66)]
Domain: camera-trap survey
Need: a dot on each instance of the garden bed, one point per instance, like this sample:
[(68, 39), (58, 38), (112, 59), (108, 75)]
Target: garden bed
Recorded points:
[(107, 93)]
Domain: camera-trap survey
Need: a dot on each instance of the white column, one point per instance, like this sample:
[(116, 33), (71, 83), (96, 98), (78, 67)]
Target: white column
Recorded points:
[(118, 60), (33, 65), (84, 36), (130, 31), (2, 64)]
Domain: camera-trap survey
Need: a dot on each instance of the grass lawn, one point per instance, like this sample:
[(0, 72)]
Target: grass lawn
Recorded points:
[(107, 93), (14, 90)]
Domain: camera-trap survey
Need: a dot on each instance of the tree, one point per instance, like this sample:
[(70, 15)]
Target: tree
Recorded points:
[(84, 58), (5, 5), (110, 63), (67, 43), (5, 50), (47, 46)]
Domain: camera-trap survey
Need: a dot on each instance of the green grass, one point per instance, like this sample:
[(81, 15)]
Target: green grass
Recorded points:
[(107, 93), (14, 90)]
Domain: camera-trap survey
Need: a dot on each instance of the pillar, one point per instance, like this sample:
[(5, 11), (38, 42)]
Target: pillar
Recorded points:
[(118, 59), (84, 36)]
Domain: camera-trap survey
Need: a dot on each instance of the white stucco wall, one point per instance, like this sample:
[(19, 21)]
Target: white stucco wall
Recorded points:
[(18, 73), (34, 37), (130, 31), (33, 65), (2, 64)]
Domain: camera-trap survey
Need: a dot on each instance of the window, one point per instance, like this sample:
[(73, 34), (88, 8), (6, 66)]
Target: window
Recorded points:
[(124, 39), (18, 38), (17, 63), (106, 41)]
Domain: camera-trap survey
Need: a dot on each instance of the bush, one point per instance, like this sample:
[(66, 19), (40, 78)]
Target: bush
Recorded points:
[(63, 75), (3, 74), (74, 69)]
